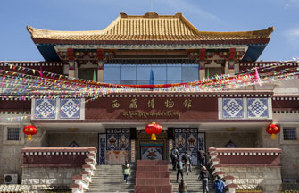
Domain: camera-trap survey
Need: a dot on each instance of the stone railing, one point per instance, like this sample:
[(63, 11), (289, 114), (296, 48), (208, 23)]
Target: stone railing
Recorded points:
[(82, 181), (248, 169), (50, 167)]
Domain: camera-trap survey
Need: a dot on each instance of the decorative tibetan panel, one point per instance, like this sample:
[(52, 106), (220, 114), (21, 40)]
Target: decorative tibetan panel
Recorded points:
[(151, 151), (118, 139), (70, 108), (258, 108), (233, 108), (58, 109), (102, 148), (45, 109), (201, 141), (117, 146), (186, 140), (245, 108)]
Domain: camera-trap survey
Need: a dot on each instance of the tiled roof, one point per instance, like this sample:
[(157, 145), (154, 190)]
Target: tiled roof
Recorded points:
[(150, 26)]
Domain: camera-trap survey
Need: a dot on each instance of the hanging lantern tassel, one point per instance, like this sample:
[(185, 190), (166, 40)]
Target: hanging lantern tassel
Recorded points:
[(29, 137), (154, 137), (273, 136)]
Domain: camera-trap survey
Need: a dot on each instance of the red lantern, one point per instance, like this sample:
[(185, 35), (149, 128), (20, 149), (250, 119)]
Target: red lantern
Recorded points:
[(30, 130), (153, 129), (273, 129)]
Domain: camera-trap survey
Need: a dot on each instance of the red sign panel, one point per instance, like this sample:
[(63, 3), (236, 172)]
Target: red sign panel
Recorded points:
[(153, 107)]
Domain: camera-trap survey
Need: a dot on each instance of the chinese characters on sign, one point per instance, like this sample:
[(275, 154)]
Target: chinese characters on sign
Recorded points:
[(115, 104), (151, 108), (169, 103), (188, 103)]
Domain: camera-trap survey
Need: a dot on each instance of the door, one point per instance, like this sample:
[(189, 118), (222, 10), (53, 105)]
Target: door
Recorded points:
[(189, 140), (149, 149), (114, 146)]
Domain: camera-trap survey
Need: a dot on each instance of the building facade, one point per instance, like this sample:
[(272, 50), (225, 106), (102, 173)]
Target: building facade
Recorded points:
[(148, 50)]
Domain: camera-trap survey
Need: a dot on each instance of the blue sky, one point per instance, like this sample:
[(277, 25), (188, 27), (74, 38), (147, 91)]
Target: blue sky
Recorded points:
[(212, 15)]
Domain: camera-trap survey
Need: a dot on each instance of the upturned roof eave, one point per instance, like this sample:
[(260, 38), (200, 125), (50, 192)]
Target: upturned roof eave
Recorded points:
[(261, 41)]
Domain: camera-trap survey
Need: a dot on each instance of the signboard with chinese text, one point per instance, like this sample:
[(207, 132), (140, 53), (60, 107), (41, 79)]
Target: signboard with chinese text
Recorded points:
[(153, 107)]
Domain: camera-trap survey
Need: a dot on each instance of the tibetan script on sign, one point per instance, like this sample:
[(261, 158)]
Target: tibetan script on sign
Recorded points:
[(151, 115)]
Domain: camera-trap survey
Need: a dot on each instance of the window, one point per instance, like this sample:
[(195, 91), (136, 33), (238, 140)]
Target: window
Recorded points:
[(289, 133), (189, 72), (88, 74), (145, 73), (13, 134)]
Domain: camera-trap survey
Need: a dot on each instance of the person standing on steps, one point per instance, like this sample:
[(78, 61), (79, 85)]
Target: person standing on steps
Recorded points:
[(204, 175), (201, 157), (182, 187), (188, 163), (218, 185), (180, 170), (174, 156), (126, 172)]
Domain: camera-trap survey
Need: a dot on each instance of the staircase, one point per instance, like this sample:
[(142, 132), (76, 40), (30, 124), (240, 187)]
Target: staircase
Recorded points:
[(193, 184), (109, 178)]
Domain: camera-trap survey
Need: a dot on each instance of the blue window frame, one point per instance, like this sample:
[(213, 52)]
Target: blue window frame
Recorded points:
[(141, 73)]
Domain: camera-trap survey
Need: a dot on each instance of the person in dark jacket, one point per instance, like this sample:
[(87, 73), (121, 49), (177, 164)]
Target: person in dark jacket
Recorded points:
[(187, 160), (174, 156), (182, 187), (201, 157), (204, 175)]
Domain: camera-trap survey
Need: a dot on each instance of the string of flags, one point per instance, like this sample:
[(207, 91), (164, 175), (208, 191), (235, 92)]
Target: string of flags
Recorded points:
[(24, 83), (21, 83)]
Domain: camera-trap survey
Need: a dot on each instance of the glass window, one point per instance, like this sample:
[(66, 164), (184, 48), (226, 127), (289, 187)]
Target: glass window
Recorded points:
[(111, 72), (159, 71), (128, 82), (113, 81), (160, 81), (13, 134), (173, 81), (128, 72), (174, 72), (289, 133), (143, 72), (143, 82), (189, 73)]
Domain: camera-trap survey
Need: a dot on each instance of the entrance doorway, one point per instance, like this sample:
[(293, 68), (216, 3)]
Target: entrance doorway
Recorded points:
[(189, 140), (114, 146), (148, 149)]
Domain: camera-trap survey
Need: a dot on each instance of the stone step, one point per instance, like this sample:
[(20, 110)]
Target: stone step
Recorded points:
[(193, 184), (109, 178)]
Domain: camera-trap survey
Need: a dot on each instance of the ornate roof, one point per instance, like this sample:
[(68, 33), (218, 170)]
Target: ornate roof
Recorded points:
[(151, 26)]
